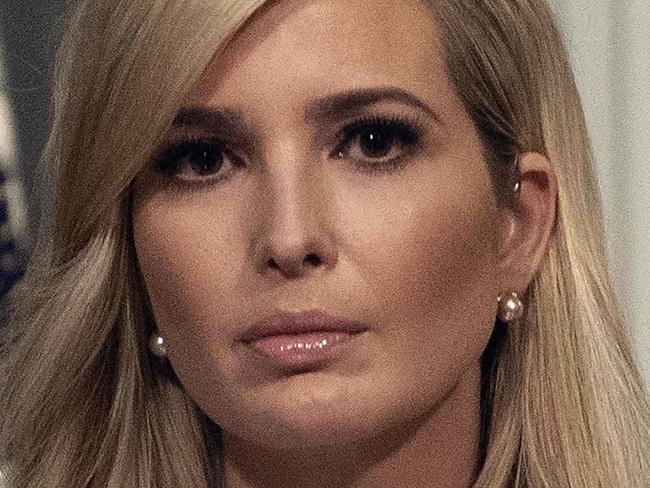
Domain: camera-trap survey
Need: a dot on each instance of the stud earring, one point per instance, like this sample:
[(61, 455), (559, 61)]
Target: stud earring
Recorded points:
[(157, 346), (510, 307)]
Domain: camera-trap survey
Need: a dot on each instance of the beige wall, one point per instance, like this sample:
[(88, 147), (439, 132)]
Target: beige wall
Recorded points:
[(609, 41)]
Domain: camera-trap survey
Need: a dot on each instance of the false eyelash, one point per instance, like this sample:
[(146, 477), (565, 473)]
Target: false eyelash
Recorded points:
[(165, 162), (406, 125), (164, 158), (410, 131)]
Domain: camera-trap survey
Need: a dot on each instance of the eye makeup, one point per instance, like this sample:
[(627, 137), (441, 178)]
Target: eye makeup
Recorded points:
[(370, 143), (377, 143)]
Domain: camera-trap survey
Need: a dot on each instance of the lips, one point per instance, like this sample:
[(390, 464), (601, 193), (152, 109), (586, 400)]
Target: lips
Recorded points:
[(288, 323), (300, 342)]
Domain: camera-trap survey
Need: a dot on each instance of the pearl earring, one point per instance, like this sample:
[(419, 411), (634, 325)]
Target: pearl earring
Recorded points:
[(510, 307), (157, 346)]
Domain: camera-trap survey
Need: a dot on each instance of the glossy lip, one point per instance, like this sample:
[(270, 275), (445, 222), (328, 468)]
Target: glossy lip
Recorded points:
[(286, 323)]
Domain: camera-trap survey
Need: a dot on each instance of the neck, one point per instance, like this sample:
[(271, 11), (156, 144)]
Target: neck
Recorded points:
[(438, 450)]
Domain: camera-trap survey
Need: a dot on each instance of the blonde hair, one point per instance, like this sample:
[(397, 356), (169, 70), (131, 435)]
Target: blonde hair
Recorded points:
[(84, 403)]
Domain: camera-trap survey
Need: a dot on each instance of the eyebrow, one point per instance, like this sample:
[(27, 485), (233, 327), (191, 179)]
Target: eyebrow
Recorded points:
[(327, 107), (225, 121), (208, 118), (351, 101)]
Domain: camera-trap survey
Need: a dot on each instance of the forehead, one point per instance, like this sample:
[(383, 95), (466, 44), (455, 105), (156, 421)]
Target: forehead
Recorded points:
[(307, 46)]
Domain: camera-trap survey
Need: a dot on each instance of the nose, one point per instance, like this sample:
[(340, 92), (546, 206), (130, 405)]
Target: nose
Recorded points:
[(294, 235)]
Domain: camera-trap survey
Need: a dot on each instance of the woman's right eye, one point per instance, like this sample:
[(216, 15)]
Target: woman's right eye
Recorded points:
[(199, 160)]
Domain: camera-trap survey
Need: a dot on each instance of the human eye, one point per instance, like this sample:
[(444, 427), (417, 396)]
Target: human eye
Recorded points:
[(194, 161), (379, 143)]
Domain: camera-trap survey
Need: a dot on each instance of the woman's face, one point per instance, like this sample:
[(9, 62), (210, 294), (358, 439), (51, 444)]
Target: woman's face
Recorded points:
[(341, 173)]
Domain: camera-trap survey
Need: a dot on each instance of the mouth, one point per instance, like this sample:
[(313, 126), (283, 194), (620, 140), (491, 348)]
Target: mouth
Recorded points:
[(301, 340)]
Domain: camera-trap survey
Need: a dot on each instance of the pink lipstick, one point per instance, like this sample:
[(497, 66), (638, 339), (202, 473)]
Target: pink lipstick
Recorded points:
[(301, 339)]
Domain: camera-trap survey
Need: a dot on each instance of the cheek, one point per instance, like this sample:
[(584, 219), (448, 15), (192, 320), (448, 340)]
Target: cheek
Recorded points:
[(433, 253), (430, 260), (186, 260)]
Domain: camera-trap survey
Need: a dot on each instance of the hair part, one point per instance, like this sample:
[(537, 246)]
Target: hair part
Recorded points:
[(84, 403)]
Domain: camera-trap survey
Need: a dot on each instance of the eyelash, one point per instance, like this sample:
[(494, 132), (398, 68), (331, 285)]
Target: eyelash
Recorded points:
[(169, 160), (404, 132)]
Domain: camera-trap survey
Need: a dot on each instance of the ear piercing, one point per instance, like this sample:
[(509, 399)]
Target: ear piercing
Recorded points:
[(517, 186)]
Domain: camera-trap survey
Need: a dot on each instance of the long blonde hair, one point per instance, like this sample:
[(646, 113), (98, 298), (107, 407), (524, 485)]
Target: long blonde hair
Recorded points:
[(84, 404)]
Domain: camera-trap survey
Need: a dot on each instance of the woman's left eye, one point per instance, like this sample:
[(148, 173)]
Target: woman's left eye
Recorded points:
[(378, 143)]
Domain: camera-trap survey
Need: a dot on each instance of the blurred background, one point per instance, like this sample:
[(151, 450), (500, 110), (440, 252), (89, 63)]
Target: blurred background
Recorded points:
[(609, 43)]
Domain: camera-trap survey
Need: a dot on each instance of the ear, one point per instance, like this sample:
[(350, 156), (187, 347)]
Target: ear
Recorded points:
[(526, 226)]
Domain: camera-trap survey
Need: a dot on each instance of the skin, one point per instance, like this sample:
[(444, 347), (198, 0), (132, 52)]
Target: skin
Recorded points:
[(419, 254)]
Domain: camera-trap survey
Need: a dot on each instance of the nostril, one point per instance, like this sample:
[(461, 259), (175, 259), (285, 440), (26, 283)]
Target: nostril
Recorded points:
[(313, 259)]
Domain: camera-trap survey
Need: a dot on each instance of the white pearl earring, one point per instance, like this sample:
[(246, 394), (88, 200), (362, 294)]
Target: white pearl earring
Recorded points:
[(157, 346), (510, 307)]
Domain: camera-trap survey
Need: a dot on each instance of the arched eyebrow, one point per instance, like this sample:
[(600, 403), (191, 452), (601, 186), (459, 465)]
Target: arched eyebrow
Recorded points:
[(325, 108), (347, 102), (208, 118), (225, 121)]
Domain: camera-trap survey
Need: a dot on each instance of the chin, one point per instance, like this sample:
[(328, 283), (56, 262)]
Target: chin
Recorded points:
[(322, 415), (301, 431), (316, 418)]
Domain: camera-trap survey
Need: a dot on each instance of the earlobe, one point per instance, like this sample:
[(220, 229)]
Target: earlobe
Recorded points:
[(526, 226)]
